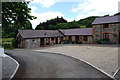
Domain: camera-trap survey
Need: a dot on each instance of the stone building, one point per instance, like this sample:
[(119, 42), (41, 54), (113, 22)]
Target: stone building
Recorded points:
[(107, 28), (37, 38), (83, 35)]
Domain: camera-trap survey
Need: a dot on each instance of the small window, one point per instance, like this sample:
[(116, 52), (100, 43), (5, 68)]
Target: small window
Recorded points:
[(105, 25), (106, 35), (33, 40)]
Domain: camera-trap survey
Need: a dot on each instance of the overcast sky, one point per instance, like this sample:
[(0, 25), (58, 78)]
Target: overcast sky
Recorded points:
[(71, 9)]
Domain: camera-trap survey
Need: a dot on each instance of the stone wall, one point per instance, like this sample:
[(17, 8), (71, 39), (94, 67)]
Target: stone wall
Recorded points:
[(32, 43), (90, 39), (73, 38), (35, 43), (97, 32), (113, 29)]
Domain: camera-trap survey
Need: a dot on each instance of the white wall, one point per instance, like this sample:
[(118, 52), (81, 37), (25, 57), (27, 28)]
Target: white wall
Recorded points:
[(1, 52)]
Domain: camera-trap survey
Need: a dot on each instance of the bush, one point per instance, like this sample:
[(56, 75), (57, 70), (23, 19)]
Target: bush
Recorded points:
[(80, 42), (14, 43), (7, 46), (66, 42), (104, 41), (9, 43), (99, 41)]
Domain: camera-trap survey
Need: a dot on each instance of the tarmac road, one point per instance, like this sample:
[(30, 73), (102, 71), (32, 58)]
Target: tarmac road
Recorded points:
[(45, 65)]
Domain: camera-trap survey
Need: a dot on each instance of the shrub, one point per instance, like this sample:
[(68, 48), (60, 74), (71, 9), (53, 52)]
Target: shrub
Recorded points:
[(80, 42), (66, 42), (14, 43), (9, 43), (104, 41)]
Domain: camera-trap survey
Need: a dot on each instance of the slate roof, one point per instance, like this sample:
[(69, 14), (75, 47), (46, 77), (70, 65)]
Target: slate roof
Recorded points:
[(107, 19), (39, 33), (54, 33), (80, 31)]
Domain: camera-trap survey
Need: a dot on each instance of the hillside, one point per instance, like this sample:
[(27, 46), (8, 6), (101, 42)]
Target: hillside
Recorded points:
[(61, 23)]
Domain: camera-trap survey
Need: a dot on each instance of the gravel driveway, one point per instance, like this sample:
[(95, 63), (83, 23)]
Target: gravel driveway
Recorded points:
[(104, 57)]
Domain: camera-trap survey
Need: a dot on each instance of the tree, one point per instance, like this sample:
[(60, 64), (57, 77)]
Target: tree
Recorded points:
[(74, 24), (15, 15), (62, 26), (87, 21), (50, 24), (61, 23)]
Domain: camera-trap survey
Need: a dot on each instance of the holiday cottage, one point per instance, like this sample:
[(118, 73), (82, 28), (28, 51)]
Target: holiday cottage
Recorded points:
[(37, 38), (107, 29)]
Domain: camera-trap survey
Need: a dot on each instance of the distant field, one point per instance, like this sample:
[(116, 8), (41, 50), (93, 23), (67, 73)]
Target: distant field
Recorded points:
[(82, 26), (7, 39)]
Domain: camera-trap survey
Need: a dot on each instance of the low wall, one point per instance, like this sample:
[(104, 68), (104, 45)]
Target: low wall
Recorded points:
[(1, 52)]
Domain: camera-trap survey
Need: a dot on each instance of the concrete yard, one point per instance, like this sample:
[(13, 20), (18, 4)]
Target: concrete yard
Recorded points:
[(104, 57)]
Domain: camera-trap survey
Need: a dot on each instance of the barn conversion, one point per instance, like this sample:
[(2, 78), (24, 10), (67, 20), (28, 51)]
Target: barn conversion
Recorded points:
[(83, 35), (37, 38), (103, 28), (107, 29)]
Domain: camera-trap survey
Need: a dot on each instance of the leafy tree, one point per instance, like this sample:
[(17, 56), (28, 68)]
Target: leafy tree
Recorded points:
[(62, 26), (15, 15), (87, 21), (74, 24), (60, 23), (51, 24)]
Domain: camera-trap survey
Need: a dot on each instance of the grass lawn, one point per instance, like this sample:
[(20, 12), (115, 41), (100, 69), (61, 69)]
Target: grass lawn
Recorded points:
[(7, 39)]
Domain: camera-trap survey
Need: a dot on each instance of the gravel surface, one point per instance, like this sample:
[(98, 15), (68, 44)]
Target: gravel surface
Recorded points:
[(104, 57), (50, 65), (8, 67)]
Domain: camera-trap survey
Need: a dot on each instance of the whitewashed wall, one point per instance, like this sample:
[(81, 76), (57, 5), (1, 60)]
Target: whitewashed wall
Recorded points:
[(1, 52)]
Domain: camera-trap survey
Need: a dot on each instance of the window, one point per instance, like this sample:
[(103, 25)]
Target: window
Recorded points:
[(105, 25), (33, 40), (85, 38), (106, 35)]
